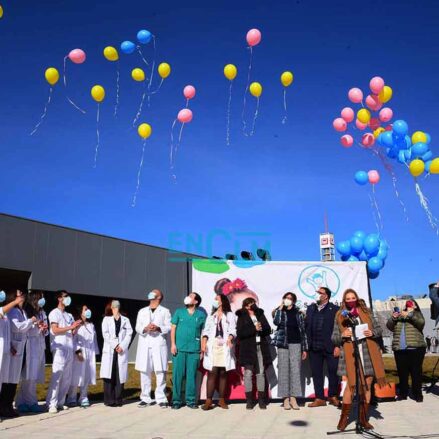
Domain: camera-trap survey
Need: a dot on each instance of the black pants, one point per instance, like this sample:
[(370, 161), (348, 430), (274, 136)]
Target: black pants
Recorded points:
[(113, 388), (7, 396), (317, 359), (409, 362)]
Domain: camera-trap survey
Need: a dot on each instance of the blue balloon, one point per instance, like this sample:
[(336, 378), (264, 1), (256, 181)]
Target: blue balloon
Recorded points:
[(361, 178), (363, 256), (408, 142), (356, 244), (373, 275), (408, 154), (400, 128), (419, 149), (382, 254), (386, 139), (344, 248), (428, 138), (427, 156), (392, 153), (427, 165), (375, 264), (401, 156), (127, 47), (144, 36), (345, 258), (353, 258), (360, 234), (371, 244)]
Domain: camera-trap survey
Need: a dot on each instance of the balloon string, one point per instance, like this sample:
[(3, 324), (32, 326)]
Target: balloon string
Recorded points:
[(139, 111), (377, 208), (133, 204), (179, 137), (152, 71), (117, 89), (187, 103), (375, 211), (425, 205), (141, 55), (158, 88), (229, 104), (244, 104), (44, 113), (284, 120), (255, 117), (171, 154), (65, 86), (97, 137)]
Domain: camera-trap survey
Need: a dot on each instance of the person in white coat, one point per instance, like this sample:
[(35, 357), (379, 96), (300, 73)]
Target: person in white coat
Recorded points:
[(117, 332), (62, 328), (153, 325), (84, 364), (217, 345), (34, 367), (20, 325)]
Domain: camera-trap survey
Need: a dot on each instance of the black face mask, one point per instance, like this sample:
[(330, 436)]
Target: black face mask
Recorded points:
[(253, 307)]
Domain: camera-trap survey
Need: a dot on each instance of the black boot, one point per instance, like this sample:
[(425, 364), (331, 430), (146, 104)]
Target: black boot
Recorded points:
[(249, 398), (261, 400)]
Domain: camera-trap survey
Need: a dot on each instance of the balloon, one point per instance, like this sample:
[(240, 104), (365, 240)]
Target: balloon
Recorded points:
[(382, 253), (363, 115), (127, 47), (347, 140), (111, 54), (360, 234), (355, 95), (230, 72), (376, 84), (428, 138), (356, 244), (374, 123), (378, 131), (387, 139), (144, 36), (361, 178), (185, 115), (417, 167), (164, 70), (360, 125), (400, 128), (253, 37), (371, 244), (189, 92), (286, 78), (401, 156), (386, 114), (434, 166), (344, 248), (385, 94), (374, 177), (368, 140), (256, 89), (419, 136), (77, 56), (98, 93), (373, 102), (373, 275), (375, 264), (419, 149), (344, 258), (428, 165), (339, 124), (427, 156), (1, 11), (138, 75), (348, 114), (363, 256), (51, 75), (353, 258), (144, 130)]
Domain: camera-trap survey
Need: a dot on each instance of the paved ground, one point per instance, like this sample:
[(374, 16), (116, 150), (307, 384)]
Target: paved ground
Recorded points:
[(397, 419)]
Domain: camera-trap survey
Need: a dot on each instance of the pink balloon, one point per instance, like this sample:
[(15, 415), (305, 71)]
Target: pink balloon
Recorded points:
[(347, 140), (360, 125), (355, 95), (368, 140), (376, 84), (389, 127), (253, 37), (348, 114), (77, 56), (339, 124), (189, 92), (185, 115), (374, 177), (386, 114), (374, 123), (373, 102)]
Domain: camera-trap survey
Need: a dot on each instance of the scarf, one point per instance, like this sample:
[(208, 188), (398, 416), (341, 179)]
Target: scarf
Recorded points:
[(374, 352)]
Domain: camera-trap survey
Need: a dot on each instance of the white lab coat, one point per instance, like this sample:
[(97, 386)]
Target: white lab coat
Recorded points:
[(5, 347), (35, 352), (228, 322), (156, 341), (61, 345), (20, 327), (110, 343), (84, 372)]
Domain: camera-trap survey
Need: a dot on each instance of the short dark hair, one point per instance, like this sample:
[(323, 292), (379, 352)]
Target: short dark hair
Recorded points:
[(247, 302), (197, 298), (327, 291), (289, 293), (60, 293)]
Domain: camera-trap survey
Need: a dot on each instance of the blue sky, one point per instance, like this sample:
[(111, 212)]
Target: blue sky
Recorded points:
[(278, 182)]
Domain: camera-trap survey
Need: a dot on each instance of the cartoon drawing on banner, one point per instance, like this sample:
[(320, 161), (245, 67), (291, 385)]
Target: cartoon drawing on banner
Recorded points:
[(314, 277)]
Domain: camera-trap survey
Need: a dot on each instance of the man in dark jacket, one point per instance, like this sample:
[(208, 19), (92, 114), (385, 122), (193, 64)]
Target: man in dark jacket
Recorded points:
[(319, 321), (434, 296)]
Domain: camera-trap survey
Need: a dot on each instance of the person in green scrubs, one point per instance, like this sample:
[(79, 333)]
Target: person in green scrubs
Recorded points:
[(186, 326)]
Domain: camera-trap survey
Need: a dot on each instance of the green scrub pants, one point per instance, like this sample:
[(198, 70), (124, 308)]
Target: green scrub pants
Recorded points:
[(185, 365)]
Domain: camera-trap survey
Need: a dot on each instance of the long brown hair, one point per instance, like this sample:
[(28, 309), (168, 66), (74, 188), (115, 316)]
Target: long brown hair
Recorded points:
[(361, 302)]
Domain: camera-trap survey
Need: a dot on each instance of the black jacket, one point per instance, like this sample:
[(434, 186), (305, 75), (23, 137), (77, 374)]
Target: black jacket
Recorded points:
[(280, 338), (319, 327), (246, 335)]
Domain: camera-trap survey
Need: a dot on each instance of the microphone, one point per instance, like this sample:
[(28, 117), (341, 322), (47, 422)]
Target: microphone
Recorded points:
[(396, 309), (347, 315)]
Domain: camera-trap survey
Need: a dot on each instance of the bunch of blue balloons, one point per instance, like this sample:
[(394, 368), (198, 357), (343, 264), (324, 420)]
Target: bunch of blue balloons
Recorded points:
[(143, 37), (398, 145), (362, 247)]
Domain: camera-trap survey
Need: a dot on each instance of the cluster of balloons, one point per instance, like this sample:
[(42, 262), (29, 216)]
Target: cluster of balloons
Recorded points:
[(143, 37), (365, 247), (363, 177)]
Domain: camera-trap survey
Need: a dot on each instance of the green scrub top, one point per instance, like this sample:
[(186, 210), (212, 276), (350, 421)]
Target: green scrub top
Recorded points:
[(188, 331)]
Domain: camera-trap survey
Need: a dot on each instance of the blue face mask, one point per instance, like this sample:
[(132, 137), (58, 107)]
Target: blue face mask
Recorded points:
[(67, 301), (2, 296), (215, 304), (42, 302), (87, 314)]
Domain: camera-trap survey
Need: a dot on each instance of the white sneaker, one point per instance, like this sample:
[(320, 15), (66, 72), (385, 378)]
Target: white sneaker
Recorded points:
[(63, 407), (53, 410)]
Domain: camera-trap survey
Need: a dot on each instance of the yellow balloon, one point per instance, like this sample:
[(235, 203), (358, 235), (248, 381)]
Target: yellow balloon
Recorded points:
[(51, 75), (256, 89), (111, 54), (385, 94), (98, 93), (363, 115), (417, 167), (419, 136), (138, 74), (144, 130), (434, 166), (164, 70), (378, 131), (1, 11), (286, 78), (230, 72)]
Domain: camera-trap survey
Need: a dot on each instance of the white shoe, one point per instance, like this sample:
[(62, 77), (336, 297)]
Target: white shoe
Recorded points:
[(63, 407), (53, 410)]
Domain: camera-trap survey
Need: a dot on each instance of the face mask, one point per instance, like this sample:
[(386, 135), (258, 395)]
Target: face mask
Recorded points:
[(151, 296), (41, 302), (288, 302), (2, 296), (253, 307), (87, 314), (216, 304), (67, 301), (351, 304), (187, 300)]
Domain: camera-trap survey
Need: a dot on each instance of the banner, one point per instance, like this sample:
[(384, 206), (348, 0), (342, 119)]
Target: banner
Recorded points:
[(267, 282)]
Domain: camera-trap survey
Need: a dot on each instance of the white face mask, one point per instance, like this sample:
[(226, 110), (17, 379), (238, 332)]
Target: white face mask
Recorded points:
[(87, 313), (216, 304), (151, 296), (188, 300), (288, 302), (67, 301)]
